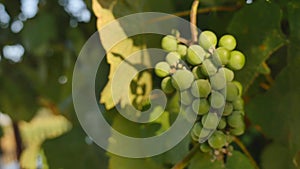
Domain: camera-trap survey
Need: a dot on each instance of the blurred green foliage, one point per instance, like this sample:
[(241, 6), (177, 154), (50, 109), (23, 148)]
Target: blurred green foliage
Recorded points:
[(268, 32)]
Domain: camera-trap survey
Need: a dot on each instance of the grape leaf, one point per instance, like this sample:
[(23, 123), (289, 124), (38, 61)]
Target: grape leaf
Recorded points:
[(238, 161), (203, 160), (117, 162), (258, 26), (277, 112), (105, 12), (275, 156)]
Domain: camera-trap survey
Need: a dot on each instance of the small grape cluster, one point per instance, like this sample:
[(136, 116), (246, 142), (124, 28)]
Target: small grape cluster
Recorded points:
[(204, 75)]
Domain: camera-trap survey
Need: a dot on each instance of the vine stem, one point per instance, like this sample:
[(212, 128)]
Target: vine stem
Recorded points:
[(199, 11), (193, 19), (185, 161), (245, 150)]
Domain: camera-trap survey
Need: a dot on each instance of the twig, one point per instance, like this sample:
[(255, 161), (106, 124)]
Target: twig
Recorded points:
[(199, 11), (247, 153), (193, 19), (185, 161)]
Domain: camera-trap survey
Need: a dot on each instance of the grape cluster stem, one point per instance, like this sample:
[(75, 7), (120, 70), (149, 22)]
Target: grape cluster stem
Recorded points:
[(193, 19), (185, 161)]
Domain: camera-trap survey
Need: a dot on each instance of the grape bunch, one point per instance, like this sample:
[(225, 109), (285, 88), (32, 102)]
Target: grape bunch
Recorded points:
[(203, 74)]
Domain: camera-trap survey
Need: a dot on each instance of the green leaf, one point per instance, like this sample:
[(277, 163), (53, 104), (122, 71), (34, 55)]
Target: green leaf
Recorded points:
[(204, 160), (38, 33), (257, 29), (276, 156), (238, 161), (277, 112), (117, 162)]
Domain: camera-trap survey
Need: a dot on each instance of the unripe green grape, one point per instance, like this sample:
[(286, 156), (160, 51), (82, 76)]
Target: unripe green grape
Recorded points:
[(228, 42), (197, 73), (227, 109), (217, 100), (208, 68), (182, 79), (217, 140), (166, 85), (232, 92), (182, 50), (189, 114), (218, 81), (214, 57), (240, 112), (223, 54), (210, 121), (173, 58), (194, 137), (229, 138), (162, 69), (205, 148), (201, 88), (207, 40), (237, 131), (186, 97), (195, 54), (238, 104), (200, 106), (204, 134), (197, 129), (222, 124), (235, 120), (239, 86), (236, 60), (169, 43), (228, 74)]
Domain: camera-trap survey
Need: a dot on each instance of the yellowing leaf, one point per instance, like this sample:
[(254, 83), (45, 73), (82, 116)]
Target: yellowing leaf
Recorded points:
[(119, 52)]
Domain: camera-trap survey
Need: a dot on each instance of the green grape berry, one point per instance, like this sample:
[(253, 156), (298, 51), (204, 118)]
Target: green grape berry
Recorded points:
[(239, 86), (217, 100), (238, 104), (196, 130), (195, 54), (186, 97), (237, 131), (194, 137), (189, 114), (197, 73), (217, 140), (169, 43), (227, 109), (166, 85), (236, 60), (218, 81), (201, 88), (228, 42), (223, 54), (205, 148), (182, 79), (232, 92), (235, 120), (162, 69), (208, 68), (228, 74), (207, 40), (182, 50), (204, 134), (222, 124), (210, 121), (240, 112), (200, 106), (173, 58)]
